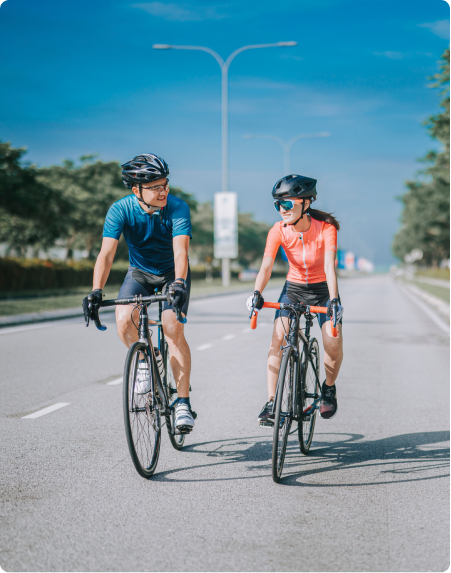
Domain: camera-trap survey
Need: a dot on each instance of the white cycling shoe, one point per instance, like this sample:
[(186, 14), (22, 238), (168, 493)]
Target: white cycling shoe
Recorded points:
[(184, 421), (142, 382)]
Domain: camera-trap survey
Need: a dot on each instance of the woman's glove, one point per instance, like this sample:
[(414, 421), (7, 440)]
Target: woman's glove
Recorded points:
[(255, 302), (339, 309)]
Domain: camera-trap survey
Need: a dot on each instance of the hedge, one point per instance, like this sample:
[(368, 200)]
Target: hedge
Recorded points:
[(18, 275)]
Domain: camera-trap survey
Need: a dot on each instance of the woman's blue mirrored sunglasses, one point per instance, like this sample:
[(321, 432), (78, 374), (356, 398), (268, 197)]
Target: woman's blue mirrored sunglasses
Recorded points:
[(286, 205)]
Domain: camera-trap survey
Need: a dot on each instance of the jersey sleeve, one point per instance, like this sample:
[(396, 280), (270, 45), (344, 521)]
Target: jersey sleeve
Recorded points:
[(273, 242), (181, 220), (114, 222), (330, 238)]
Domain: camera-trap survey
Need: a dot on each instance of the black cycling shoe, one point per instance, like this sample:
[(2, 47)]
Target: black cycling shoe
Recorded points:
[(266, 416), (328, 405)]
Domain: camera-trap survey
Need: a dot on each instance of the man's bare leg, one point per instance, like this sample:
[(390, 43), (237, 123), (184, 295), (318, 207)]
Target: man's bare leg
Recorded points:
[(179, 351)]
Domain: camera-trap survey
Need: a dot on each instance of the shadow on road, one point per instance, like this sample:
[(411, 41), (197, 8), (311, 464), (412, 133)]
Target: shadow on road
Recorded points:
[(403, 458)]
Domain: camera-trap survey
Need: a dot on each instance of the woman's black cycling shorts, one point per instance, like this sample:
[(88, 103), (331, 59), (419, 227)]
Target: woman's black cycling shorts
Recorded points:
[(315, 294)]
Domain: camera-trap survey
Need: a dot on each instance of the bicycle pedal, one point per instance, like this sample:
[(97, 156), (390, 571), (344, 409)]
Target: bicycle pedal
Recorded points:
[(267, 424), (183, 430)]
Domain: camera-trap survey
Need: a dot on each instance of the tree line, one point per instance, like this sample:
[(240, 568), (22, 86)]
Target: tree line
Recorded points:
[(426, 206), (65, 205)]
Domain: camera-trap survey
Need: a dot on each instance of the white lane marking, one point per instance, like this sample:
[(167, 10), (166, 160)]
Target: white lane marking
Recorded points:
[(115, 382), (204, 346), (47, 410), (228, 337)]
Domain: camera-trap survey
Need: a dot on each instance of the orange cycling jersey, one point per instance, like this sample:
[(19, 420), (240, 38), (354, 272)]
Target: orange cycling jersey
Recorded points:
[(305, 251)]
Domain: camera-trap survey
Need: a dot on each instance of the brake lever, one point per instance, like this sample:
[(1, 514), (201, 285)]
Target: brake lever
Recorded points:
[(92, 308), (334, 313), (252, 311)]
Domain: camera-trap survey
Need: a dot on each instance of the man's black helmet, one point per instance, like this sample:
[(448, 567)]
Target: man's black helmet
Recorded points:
[(295, 186), (143, 169)]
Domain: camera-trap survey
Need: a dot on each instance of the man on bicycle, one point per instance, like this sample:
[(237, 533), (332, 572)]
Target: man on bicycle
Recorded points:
[(157, 229)]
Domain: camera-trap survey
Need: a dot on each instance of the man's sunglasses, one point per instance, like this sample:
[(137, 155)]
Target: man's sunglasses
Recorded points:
[(286, 205)]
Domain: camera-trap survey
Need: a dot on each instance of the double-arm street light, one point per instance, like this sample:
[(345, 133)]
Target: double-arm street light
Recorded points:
[(287, 145), (224, 65)]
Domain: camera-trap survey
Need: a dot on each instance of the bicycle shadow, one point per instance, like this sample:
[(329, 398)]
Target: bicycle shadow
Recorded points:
[(406, 457), (403, 455)]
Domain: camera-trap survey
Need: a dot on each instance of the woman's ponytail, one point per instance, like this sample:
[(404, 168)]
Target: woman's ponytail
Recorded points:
[(323, 216)]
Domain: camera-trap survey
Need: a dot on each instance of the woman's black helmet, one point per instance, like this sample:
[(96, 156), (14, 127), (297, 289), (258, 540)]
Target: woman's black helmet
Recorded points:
[(143, 169), (295, 186)]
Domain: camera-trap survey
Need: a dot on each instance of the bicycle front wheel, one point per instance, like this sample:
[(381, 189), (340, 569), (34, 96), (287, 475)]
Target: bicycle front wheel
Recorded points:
[(282, 416), (141, 416), (310, 395), (177, 440)]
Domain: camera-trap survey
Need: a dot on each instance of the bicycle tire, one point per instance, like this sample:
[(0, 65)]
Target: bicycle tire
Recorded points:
[(309, 392), (177, 440), (282, 415), (142, 421)]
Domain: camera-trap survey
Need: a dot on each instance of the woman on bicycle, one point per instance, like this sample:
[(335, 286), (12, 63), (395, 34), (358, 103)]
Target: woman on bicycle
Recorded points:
[(309, 239)]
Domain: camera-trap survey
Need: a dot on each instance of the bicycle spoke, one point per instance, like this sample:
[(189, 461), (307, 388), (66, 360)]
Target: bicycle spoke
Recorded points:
[(142, 421)]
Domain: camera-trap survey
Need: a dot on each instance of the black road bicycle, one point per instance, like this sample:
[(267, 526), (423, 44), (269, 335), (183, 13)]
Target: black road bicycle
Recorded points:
[(146, 414), (298, 389)]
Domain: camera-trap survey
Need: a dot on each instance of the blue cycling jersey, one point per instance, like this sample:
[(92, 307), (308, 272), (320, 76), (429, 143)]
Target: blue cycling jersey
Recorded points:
[(149, 237)]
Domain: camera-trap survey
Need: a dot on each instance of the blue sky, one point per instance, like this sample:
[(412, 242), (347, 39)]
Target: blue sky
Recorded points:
[(80, 78)]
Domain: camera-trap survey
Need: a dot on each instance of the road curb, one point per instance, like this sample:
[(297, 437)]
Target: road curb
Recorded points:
[(435, 308)]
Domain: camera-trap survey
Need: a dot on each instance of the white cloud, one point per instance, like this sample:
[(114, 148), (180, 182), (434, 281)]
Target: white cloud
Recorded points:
[(391, 55), (440, 28), (181, 12)]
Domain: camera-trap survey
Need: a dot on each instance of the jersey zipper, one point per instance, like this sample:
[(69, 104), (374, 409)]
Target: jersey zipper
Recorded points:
[(301, 236)]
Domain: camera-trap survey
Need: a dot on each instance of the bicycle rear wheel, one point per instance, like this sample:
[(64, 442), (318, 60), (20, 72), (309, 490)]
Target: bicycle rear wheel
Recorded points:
[(282, 416), (141, 417), (310, 394), (177, 440)]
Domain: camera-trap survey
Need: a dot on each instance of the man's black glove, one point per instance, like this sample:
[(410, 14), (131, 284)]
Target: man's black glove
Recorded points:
[(91, 306), (179, 295)]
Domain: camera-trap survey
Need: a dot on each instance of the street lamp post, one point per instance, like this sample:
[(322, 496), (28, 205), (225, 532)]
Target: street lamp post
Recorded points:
[(224, 65), (287, 145)]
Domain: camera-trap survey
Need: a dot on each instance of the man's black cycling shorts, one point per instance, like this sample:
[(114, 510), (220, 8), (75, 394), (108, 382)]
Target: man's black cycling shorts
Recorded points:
[(314, 294), (139, 282)]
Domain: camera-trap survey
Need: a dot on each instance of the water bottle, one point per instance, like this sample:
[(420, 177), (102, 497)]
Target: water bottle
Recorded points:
[(159, 358)]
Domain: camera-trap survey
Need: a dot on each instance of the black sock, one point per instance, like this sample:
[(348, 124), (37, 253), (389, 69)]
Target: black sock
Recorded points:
[(184, 401)]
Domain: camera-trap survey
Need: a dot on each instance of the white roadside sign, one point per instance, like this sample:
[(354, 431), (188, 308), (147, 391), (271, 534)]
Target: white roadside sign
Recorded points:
[(226, 225)]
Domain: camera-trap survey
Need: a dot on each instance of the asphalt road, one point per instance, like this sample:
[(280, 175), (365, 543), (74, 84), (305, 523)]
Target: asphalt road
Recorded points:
[(371, 496)]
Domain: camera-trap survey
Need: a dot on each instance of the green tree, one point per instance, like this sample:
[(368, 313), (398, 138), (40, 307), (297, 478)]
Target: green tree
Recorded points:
[(426, 212), (90, 188), (31, 213)]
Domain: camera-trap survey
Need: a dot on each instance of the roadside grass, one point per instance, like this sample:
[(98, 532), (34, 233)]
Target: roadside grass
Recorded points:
[(43, 301), (442, 293), (434, 273)]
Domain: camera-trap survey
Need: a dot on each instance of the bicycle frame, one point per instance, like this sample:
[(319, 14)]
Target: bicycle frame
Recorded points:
[(145, 338), (293, 338)]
